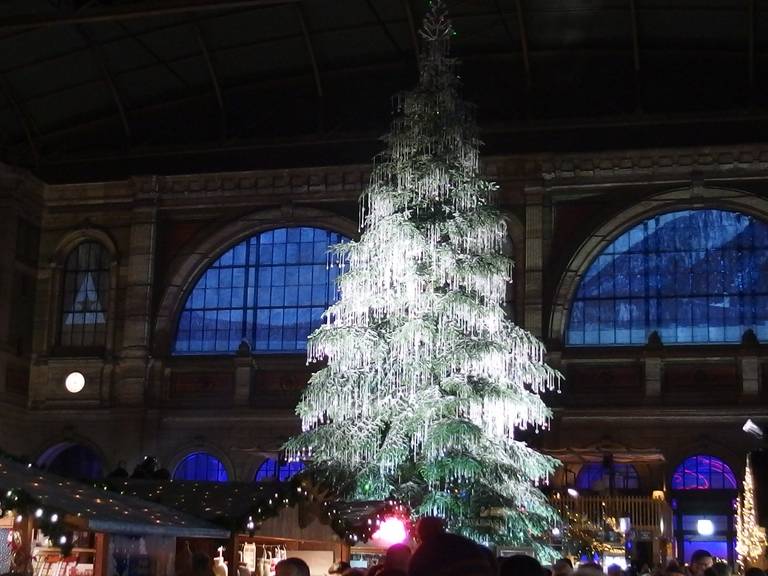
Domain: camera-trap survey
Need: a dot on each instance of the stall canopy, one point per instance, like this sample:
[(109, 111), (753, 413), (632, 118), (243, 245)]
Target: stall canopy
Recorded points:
[(101, 510), (232, 504)]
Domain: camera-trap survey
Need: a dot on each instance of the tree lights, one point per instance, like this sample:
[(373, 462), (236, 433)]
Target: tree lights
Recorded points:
[(427, 379), (750, 537)]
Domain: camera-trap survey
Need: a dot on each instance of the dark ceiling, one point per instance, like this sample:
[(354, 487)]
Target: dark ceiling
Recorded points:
[(100, 89)]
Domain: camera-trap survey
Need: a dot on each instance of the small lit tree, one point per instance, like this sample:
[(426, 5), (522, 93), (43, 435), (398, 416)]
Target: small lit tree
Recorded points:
[(750, 536)]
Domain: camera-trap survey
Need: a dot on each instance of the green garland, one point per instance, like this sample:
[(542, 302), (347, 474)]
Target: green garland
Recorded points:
[(48, 519)]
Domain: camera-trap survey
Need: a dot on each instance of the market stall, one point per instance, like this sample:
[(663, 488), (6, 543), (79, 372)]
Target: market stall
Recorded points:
[(272, 521), (60, 527)]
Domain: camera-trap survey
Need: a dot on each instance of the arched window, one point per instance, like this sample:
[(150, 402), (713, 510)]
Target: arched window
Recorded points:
[(269, 471), (270, 290), (703, 472), (596, 476), (201, 466), (85, 296), (695, 276), (72, 461)]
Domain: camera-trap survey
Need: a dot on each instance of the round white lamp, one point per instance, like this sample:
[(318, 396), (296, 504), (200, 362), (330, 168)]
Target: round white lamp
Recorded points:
[(705, 527), (74, 382)]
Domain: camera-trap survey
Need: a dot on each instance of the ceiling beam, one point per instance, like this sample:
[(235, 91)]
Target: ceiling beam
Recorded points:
[(752, 8), (635, 36), (523, 40), (7, 92), (98, 55), (149, 50), (310, 48), (411, 26), (132, 12), (383, 25), (212, 74)]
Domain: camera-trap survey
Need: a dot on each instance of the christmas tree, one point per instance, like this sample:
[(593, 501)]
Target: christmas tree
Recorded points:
[(427, 380), (750, 536)]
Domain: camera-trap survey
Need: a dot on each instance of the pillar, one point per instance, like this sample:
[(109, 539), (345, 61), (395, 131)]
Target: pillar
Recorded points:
[(534, 260), (137, 329)]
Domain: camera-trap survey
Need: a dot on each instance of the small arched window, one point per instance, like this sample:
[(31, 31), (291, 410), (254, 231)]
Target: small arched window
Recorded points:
[(702, 472), (270, 290), (596, 476), (694, 276), (201, 466), (72, 461), (270, 471), (85, 296)]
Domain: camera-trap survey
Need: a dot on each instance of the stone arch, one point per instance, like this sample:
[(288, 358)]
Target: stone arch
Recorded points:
[(255, 464), (704, 445), (54, 458), (210, 243), (200, 446), (75, 237), (595, 243)]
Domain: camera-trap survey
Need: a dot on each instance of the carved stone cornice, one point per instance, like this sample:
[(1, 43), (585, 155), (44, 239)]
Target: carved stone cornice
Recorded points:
[(714, 161), (339, 182)]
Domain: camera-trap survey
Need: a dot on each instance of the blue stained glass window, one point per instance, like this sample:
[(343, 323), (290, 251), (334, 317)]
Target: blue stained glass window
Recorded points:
[(270, 290), (201, 466), (269, 471), (695, 276), (593, 476), (703, 472)]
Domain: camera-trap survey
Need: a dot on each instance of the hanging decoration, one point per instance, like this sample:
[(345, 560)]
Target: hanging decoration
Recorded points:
[(22, 507), (243, 509), (427, 380), (750, 536)]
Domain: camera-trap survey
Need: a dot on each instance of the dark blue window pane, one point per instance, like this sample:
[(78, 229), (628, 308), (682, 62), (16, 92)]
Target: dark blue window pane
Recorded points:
[(695, 276), (201, 466), (288, 470), (85, 307), (270, 290), (703, 472), (75, 461), (269, 471), (596, 476)]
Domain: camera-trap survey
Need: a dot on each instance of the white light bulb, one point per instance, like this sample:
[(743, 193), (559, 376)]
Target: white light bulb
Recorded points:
[(705, 527), (54, 518), (555, 531), (74, 382), (63, 540), (39, 513)]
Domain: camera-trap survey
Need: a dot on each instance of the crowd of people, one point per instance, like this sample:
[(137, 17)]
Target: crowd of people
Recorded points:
[(439, 553)]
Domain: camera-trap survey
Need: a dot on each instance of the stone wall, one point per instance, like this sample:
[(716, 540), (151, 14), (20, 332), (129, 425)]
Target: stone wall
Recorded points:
[(162, 232)]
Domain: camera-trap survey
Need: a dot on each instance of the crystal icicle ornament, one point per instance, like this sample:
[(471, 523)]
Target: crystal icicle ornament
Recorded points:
[(426, 380)]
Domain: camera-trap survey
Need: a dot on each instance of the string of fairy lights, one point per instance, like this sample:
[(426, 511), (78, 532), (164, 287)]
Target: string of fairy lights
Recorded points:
[(352, 523), (244, 508), (49, 520)]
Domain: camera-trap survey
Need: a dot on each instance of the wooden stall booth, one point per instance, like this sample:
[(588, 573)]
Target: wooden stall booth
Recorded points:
[(272, 521), (60, 527)]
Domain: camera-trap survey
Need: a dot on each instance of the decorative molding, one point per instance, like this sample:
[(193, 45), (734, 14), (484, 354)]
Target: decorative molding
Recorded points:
[(345, 182), (623, 163)]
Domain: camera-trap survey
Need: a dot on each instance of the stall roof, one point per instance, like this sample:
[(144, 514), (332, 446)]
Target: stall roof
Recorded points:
[(213, 501), (225, 502), (102, 510)]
